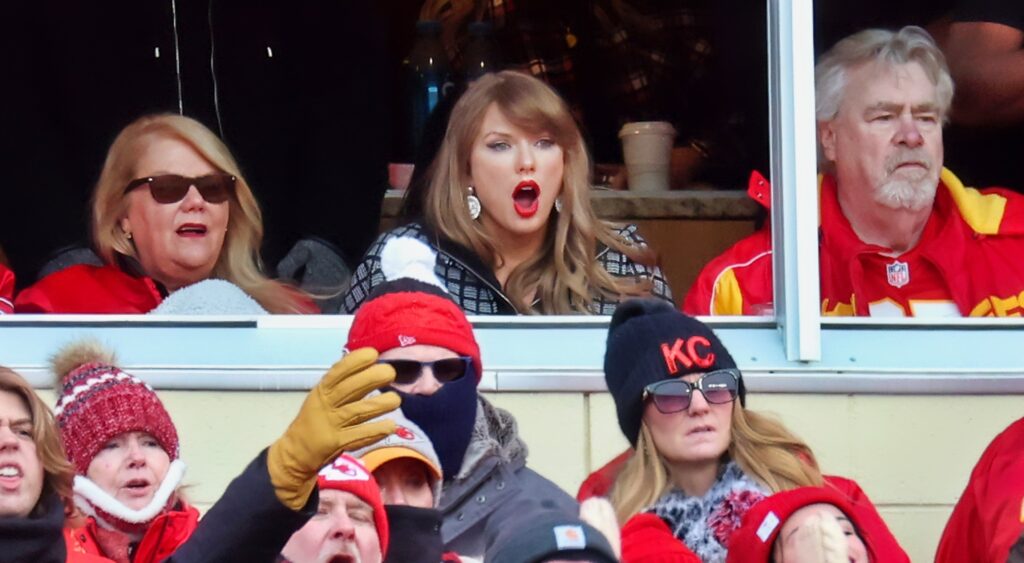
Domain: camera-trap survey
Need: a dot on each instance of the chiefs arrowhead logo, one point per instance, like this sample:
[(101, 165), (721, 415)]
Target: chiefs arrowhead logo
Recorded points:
[(344, 468), (403, 432)]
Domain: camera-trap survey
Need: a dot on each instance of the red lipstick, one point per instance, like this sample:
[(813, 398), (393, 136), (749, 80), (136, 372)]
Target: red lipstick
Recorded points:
[(526, 196)]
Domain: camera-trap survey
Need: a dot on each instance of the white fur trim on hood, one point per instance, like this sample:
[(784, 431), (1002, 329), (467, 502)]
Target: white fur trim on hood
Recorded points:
[(89, 495)]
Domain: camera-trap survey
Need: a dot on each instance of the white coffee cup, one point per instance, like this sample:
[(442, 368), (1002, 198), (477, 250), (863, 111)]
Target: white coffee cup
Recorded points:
[(647, 150)]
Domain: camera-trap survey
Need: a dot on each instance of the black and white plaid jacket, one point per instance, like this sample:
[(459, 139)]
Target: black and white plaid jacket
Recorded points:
[(473, 285)]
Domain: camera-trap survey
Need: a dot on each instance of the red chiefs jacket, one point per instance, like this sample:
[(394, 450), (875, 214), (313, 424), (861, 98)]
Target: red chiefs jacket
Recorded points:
[(989, 517), (90, 289), (966, 263), (6, 290), (167, 532)]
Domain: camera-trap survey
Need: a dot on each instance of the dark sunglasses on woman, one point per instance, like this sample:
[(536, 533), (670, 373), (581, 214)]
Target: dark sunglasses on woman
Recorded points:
[(674, 395), (171, 188), (445, 371)]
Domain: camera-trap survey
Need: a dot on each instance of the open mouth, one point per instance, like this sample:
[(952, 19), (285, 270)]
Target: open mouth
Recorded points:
[(341, 559), (10, 476), (137, 486), (527, 198), (192, 230), (700, 430)]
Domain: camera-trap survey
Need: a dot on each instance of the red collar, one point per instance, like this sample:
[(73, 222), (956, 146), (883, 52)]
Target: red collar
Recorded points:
[(939, 243)]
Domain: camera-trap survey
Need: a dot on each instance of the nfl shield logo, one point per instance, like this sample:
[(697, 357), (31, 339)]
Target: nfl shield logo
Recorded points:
[(898, 273)]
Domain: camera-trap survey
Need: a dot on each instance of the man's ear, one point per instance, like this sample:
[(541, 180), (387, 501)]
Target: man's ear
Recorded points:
[(126, 225), (827, 137)]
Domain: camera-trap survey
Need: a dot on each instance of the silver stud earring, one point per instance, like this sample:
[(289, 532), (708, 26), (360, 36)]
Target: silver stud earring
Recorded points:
[(129, 235), (474, 204), (558, 204)]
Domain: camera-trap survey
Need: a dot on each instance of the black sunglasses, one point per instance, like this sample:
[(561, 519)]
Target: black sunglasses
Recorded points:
[(445, 371), (171, 188), (674, 395)]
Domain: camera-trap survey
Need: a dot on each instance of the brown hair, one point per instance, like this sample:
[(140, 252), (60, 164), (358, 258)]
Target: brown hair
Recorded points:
[(763, 448), (59, 473), (239, 261), (566, 274)]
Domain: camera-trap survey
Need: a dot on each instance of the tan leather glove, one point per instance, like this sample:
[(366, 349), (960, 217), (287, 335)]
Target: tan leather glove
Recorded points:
[(331, 420)]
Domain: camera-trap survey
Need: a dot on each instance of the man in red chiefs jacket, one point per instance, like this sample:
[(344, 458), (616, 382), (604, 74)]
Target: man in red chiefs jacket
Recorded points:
[(900, 235), (989, 517)]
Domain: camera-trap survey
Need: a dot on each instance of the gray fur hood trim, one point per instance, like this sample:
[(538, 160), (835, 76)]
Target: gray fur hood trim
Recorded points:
[(495, 434)]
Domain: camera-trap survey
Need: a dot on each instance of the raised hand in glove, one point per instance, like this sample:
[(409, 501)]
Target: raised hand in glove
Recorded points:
[(332, 419)]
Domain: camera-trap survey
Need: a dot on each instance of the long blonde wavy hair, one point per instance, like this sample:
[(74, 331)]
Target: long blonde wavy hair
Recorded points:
[(239, 261), (763, 448), (565, 273)]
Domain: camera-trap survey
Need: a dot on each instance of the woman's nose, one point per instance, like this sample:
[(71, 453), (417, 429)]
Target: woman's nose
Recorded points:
[(193, 198), (526, 163)]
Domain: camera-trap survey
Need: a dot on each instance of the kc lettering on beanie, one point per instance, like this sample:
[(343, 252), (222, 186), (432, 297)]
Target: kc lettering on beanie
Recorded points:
[(648, 341)]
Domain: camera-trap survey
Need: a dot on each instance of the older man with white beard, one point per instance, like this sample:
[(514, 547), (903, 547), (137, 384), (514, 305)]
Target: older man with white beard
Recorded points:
[(899, 235)]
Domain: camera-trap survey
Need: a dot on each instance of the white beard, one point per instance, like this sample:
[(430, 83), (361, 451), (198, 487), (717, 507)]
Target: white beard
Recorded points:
[(912, 195), (901, 190)]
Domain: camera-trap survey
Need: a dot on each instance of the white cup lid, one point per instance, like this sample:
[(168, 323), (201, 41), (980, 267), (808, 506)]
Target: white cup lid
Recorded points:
[(648, 128)]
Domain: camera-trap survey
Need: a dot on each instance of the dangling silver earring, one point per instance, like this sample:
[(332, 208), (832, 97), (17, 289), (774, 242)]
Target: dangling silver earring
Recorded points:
[(558, 204), (474, 204)]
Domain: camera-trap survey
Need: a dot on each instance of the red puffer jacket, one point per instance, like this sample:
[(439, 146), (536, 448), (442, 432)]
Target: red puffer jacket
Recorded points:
[(90, 289), (167, 532), (989, 517)]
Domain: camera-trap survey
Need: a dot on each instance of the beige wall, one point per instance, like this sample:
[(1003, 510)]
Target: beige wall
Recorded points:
[(911, 454)]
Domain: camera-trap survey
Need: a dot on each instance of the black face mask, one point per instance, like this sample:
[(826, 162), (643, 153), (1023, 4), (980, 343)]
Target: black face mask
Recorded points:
[(447, 417)]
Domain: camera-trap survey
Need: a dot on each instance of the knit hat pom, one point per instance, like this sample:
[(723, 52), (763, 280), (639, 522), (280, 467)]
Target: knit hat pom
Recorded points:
[(406, 257), (97, 401), (77, 354)]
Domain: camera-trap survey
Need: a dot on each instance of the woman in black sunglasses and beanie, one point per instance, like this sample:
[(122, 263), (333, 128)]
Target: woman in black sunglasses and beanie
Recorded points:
[(171, 209), (417, 328), (701, 458)]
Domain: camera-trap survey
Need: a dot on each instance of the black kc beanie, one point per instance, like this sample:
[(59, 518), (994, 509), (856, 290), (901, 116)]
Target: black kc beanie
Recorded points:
[(648, 341)]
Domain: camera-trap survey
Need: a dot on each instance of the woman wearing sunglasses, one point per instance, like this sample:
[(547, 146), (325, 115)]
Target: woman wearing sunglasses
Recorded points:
[(420, 331), (702, 459), (171, 208)]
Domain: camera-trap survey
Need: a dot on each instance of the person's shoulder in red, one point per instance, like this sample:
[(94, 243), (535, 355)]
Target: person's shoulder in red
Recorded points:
[(89, 289), (164, 535), (648, 539), (6, 290), (82, 547), (987, 519), (738, 281)]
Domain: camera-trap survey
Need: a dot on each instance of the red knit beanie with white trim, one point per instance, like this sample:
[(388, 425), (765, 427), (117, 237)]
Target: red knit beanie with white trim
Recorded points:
[(98, 402), (412, 307)]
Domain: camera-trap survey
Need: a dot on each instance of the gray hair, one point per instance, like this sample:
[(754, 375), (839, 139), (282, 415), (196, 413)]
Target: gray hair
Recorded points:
[(909, 44)]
